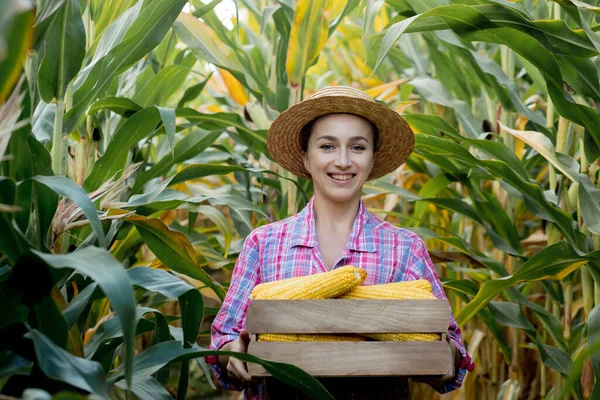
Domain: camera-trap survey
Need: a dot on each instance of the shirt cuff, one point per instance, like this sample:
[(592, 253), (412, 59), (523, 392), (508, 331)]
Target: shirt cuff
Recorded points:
[(466, 365), (220, 373)]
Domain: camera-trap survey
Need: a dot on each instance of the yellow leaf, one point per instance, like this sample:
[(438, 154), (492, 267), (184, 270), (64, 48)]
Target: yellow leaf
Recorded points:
[(215, 108), (175, 240), (403, 105), (307, 37), (378, 90), (381, 19), (234, 87), (360, 64), (370, 82)]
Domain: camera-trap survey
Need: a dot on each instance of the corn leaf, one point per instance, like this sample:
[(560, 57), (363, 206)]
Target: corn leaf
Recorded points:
[(554, 262), (63, 366), (69, 189), (147, 30), (589, 200), (159, 355), (64, 50), (110, 275), (172, 248), (16, 36), (307, 37)]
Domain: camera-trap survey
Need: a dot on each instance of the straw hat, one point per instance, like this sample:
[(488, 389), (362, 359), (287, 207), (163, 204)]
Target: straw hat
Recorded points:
[(396, 140)]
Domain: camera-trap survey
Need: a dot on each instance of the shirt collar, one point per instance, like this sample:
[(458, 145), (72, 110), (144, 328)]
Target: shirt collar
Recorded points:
[(361, 237)]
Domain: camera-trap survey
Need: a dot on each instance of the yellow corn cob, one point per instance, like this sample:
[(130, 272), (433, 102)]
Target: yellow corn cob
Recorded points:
[(306, 337), (409, 290), (404, 337), (325, 285)]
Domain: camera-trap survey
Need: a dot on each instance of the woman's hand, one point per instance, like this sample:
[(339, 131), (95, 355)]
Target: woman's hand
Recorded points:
[(237, 369), (450, 374)]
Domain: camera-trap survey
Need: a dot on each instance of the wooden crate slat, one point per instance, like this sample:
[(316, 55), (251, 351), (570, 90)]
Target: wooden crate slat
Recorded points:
[(347, 316), (331, 359)]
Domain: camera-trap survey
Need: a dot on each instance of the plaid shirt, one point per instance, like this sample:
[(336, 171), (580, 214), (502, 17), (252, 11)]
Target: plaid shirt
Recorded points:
[(289, 248)]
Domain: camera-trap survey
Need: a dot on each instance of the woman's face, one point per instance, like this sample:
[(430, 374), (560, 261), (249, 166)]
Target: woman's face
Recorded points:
[(339, 156)]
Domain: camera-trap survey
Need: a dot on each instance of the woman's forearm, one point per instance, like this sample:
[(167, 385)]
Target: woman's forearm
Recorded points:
[(224, 360)]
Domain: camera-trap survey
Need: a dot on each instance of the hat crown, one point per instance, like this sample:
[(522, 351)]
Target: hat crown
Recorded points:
[(345, 91)]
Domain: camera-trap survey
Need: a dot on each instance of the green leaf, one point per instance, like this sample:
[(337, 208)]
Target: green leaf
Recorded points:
[(430, 189), (111, 330), (63, 366), (462, 286), (217, 218), (556, 359), (214, 259), (146, 32), (192, 312), (43, 122), (77, 305), (110, 275), (212, 46), (146, 387), (16, 36), (167, 116), (381, 186), (201, 170), (594, 338), (120, 105), (554, 262), (13, 364), (64, 50), (434, 92), (589, 200), (152, 359), (156, 280), (257, 140), (510, 314), (193, 92), (190, 146), (497, 331), (503, 25), (136, 128), (543, 145), (157, 90), (69, 189), (172, 248)]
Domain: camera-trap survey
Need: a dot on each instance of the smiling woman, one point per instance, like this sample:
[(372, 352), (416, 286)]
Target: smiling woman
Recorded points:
[(339, 156), (339, 138)]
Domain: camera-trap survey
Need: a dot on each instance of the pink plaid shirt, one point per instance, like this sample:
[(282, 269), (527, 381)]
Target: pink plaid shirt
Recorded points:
[(289, 248)]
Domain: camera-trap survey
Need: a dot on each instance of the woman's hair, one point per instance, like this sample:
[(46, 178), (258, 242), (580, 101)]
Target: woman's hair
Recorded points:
[(306, 131)]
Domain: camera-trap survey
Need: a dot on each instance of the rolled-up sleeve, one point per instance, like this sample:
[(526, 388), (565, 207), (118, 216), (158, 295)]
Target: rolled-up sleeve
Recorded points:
[(422, 267), (231, 318)]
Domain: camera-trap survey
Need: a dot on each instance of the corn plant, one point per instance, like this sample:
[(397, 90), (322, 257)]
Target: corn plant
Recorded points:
[(134, 163)]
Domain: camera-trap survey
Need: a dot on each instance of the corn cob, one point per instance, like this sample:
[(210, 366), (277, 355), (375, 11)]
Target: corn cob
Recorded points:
[(409, 290), (306, 337), (325, 285), (403, 337)]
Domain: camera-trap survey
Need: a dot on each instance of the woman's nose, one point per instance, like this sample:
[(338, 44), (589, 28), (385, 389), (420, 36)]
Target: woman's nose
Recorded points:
[(343, 159)]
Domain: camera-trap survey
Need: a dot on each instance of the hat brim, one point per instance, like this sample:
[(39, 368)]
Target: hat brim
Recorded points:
[(396, 139)]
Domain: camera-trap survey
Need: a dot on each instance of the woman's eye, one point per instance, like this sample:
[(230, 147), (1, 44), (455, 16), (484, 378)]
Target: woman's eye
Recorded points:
[(358, 147), (326, 147)]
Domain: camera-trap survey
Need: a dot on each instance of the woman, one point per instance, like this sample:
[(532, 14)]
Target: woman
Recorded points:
[(339, 138)]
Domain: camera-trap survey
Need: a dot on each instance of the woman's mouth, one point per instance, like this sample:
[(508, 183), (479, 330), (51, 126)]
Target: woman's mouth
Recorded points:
[(341, 177)]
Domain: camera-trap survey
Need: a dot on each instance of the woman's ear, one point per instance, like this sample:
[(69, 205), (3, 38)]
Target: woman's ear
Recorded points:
[(305, 160)]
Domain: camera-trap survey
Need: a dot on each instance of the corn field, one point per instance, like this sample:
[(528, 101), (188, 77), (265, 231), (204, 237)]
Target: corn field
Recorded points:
[(133, 164)]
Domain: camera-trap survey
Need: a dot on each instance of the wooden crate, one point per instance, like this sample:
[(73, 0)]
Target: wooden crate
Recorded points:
[(337, 359)]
